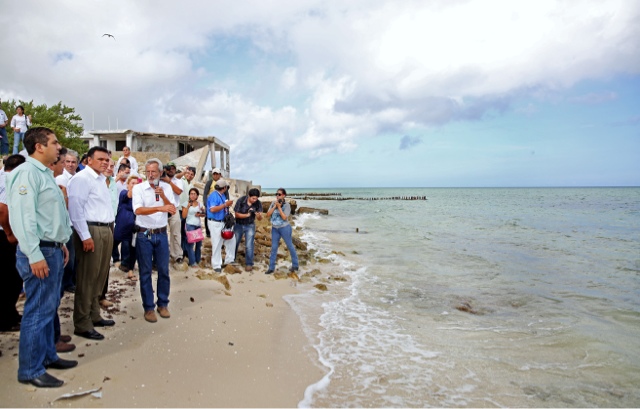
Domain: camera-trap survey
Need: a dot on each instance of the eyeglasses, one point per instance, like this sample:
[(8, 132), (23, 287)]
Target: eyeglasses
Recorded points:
[(279, 194)]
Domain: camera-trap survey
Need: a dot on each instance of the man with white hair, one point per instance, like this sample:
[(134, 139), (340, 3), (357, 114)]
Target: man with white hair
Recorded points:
[(152, 201)]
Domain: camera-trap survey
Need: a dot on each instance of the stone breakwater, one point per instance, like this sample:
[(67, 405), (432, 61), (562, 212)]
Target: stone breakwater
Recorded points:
[(338, 196)]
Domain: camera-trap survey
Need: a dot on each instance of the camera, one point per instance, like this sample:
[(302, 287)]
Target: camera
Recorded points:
[(281, 201)]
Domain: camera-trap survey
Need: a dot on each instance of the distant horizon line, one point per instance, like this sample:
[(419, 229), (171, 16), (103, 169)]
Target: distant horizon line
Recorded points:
[(461, 187)]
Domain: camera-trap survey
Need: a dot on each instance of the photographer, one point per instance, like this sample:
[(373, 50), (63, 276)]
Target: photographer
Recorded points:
[(247, 208), (279, 213), (217, 209)]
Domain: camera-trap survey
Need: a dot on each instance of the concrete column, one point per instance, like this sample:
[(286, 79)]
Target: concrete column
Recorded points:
[(222, 162), (130, 141), (212, 154), (96, 141), (227, 164)]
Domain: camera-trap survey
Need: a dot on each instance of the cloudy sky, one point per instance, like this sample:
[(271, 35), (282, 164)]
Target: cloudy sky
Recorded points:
[(352, 93)]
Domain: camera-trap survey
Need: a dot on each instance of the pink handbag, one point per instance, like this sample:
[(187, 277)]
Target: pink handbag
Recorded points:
[(194, 236)]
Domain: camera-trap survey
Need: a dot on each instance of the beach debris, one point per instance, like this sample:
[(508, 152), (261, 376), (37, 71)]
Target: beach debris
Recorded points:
[(465, 306), (269, 304), (106, 378), (299, 244), (222, 279), (227, 293), (302, 210), (262, 295), (232, 269), (294, 276), (96, 393), (321, 287), (338, 278), (230, 343), (315, 272), (192, 299), (339, 253), (357, 230), (279, 275), (80, 355)]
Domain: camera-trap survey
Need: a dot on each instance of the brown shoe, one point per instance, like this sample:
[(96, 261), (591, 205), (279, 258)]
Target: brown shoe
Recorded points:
[(65, 338), (105, 303), (164, 312), (150, 316), (64, 347), (248, 268)]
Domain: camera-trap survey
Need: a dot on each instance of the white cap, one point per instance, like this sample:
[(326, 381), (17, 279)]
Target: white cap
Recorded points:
[(216, 170)]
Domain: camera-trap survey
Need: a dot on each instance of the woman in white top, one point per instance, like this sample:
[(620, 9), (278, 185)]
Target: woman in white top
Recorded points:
[(20, 123), (192, 214)]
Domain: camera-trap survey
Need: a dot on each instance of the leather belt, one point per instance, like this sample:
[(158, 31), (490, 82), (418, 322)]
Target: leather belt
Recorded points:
[(152, 231), (100, 224), (44, 243)]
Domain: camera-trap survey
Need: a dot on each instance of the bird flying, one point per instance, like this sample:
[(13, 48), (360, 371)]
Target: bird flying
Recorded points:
[(109, 35)]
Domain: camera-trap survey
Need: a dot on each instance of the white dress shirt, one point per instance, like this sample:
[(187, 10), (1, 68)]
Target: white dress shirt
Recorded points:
[(178, 183), (132, 161), (63, 180), (89, 201), (144, 195)]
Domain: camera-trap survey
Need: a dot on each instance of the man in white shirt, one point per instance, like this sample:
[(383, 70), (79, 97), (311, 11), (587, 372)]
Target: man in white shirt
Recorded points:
[(92, 216), (70, 166), (175, 236), (134, 163), (121, 178), (152, 201)]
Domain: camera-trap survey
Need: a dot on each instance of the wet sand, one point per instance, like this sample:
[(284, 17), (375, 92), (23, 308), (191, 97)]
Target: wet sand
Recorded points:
[(239, 348)]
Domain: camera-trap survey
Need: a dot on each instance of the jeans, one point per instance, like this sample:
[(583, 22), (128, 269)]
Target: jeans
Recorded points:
[(216, 245), (128, 253), (36, 347), (285, 233), (17, 137), (150, 248), (4, 142), (69, 277), (249, 230), (194, 256)]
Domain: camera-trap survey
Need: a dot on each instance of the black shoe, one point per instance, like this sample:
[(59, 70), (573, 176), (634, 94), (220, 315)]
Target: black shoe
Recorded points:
[(62, 364), (92, 334), (104, 323), (269, 272), (71, 289), (45, 381), (293, 269)]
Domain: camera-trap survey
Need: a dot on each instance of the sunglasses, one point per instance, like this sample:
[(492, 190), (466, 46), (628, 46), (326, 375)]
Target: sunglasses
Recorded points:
[(279, 194)]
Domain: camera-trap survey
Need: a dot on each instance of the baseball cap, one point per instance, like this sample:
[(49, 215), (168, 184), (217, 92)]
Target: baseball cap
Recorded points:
[(222, 183), (216, 170)]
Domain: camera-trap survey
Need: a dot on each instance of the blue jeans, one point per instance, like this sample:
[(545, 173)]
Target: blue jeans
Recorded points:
[(36, 347), (17, 137), (249, 230), (4, 142), (150, 248), (285, 233), (194, 255), (69, 277)]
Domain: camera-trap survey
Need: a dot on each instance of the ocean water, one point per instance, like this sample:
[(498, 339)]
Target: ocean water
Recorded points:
[(520, 297)]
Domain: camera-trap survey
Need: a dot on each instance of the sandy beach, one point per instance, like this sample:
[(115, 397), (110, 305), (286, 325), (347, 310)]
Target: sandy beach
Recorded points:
[(242, 347)]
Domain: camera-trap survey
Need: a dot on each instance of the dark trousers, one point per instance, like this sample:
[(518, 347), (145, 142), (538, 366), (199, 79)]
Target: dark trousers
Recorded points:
[(11, 284), (69, 276), (91, 274)]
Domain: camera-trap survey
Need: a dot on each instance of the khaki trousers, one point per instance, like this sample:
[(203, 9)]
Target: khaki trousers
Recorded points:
[(175, 236), (91, 274)]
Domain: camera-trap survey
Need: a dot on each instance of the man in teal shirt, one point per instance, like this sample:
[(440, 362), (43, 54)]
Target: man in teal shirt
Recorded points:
[(39, 220)]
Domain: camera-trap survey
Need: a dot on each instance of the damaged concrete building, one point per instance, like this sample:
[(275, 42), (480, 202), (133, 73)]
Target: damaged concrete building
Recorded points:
[(202, 152)]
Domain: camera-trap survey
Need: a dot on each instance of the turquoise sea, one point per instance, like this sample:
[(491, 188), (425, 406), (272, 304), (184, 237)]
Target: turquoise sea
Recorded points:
[(476, 297)]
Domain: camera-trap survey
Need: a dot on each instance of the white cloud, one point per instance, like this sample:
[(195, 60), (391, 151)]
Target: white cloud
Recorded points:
[(344, 70)]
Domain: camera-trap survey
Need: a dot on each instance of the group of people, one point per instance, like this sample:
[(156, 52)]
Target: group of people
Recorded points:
[(63, 222), (19, 123)]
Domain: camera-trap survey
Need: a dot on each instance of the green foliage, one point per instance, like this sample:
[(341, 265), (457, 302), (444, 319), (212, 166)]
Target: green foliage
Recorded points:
[(61, 119)]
